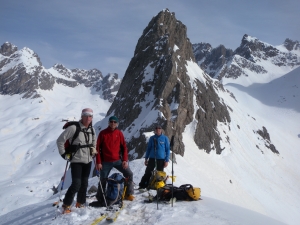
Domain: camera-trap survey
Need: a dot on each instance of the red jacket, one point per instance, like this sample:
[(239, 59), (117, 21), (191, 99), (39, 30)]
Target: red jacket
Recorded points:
[(109, 144)]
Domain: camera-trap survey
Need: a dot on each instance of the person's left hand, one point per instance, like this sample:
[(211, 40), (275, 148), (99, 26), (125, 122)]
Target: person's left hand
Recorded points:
[(166, 164), (124, 164)]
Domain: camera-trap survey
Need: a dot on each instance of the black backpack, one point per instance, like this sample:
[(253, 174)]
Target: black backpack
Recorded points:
[(69, 147), (180, 193)]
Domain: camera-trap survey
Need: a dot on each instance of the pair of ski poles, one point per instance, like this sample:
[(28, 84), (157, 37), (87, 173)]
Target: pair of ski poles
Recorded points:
[(63, 181)]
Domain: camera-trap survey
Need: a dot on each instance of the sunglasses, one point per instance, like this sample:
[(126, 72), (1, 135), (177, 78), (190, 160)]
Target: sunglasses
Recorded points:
[(112, 121), (87, 115), (157, 128)]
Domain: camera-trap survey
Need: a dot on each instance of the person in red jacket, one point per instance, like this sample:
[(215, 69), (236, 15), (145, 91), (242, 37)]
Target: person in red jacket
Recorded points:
[(112, 153)]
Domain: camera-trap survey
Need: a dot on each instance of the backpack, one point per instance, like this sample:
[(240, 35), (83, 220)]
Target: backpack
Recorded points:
[(69, 147), (185, 192), (157, 180), (115, 189)]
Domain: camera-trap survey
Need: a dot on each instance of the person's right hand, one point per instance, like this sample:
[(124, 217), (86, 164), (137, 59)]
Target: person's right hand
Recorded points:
[(146, 162), (99, 167)]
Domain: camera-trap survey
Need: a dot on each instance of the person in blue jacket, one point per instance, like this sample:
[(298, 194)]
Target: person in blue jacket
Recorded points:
[(158, 149)]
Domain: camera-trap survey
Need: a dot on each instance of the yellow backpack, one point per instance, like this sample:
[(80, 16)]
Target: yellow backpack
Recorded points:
[(194, 192), (157, 180)]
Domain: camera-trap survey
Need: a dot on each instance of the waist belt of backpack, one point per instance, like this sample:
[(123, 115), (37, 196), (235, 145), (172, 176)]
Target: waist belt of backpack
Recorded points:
[(82, 146), (78, 147)]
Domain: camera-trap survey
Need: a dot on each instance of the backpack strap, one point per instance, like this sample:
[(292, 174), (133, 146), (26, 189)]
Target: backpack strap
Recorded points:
[(78, 129)]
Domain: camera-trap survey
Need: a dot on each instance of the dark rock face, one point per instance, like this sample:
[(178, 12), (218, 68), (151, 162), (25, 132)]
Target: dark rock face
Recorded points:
[(212, 110), (265, 135), (251, 47), (156, 88), (212, 60), (291, 45), (201, 51), (18, 78), (8, 49), (221, 62), (110, 86)]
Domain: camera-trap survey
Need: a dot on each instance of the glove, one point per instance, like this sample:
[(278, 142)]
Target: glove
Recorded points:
[(93, 151), (66, 156)]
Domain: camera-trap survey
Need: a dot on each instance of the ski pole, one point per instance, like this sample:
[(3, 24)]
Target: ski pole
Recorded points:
[(98, 174), (62, 184), (171, 146), (155, 147)]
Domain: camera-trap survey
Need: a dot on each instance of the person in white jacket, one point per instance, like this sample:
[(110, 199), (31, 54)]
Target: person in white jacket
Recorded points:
[(80, 153)]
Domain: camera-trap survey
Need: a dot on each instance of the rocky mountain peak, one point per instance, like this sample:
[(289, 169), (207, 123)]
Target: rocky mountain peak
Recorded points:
[(201, 50), (252, 48), (159, 88), (8, 49), (291, 45), (211, 59)]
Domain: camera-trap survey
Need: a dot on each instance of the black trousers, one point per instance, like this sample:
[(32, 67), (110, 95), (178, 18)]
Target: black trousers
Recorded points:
[(80, 175), (160, 163)]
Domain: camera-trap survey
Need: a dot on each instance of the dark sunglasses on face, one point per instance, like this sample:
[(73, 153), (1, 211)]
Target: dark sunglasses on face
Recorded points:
[(87, 115), (112, 121), (157, 128)]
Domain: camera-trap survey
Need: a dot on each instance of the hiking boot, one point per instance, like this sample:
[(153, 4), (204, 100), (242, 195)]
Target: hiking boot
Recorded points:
[(142, 189), (79, 205), (96, 204), (66, 209), (129, 197)]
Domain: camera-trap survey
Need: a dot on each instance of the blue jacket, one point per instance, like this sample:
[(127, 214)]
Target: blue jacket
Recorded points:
[(162, 149)]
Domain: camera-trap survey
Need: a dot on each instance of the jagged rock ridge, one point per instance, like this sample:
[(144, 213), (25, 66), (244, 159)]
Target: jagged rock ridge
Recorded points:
[(157, 88), (252, 56), (21, 72)]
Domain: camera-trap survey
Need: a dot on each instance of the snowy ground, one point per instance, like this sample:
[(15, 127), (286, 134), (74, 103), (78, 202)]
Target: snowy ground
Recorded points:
[(206, 211)]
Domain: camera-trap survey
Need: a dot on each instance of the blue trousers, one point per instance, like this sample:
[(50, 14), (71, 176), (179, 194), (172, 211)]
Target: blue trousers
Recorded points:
[(104, 172)]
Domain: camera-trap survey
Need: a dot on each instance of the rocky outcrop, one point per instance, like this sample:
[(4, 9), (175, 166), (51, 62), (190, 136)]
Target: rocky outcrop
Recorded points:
[(266, 137), (251, 57), (212, 60), (159, 86), (8, 49), (291, 45), (110, 86), (22, 73)]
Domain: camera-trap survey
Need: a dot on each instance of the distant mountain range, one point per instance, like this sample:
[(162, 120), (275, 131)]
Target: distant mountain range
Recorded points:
[(158, 82), (21, 72), (253, 61)]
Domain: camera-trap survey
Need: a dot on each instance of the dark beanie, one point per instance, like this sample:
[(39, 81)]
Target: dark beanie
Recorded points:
[(114, 118)]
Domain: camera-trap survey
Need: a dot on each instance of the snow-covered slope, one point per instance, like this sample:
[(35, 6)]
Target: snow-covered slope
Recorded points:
[(246, 174), (206, 211), (30, 164)]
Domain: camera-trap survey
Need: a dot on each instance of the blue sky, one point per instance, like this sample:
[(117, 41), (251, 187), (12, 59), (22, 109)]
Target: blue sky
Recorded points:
[(103, 34)]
